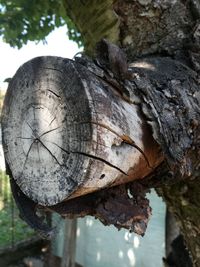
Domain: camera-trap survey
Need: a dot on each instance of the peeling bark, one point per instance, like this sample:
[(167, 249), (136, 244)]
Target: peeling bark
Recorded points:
[(154, 136), (113, 150), (123, 206), (76, 140), (170, 101), (98, 140)]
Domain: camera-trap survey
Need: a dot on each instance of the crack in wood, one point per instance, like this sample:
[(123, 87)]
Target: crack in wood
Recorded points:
[(27, 138), (37, 139), (30, 127), (38, 152), (39, 107), (39, 136), (53, 93), (91, 156), (49, 131), (132, 143), (47, 68), (100, 159), (27, 155), (55, 109), (33, 112), (52, 121), (117, 88), (48, 151), (125, 139)]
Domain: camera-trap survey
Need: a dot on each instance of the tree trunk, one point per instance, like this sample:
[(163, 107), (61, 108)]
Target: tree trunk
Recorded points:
[(91, 125), (176, 251), (146, 28), (73, 133), (90, 146)]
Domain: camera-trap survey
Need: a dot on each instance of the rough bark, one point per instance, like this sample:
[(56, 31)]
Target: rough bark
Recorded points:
[(162, 91), (172, 231), (123, 206), (183, 200), (157, 91), (169, 25), (98, 131), (176, 251), (67, 132), (176, 107), (172, 29)]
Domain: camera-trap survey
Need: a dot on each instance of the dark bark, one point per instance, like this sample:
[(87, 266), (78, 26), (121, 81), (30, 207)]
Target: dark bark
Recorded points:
[(168, 26), (172, 231), (162, 91), (183, 200), (164, 28), (177, 254), (123, 206), (175, 102), (77, 132), (170, 101), (101, 133)]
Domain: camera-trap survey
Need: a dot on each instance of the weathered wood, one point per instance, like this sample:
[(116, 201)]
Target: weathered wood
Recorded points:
[(170, 100), (171, 29), (168, 30), (68, 132), (84, 130), (69, 249), (124, 206)]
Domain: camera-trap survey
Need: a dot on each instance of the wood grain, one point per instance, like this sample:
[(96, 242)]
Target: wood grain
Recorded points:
[(67, 132)]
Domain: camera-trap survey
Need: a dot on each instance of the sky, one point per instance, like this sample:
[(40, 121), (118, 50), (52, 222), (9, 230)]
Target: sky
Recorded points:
[(12, 58)]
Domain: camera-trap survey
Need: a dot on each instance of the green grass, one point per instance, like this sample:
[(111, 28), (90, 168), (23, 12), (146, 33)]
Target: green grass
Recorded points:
[(12, 228)]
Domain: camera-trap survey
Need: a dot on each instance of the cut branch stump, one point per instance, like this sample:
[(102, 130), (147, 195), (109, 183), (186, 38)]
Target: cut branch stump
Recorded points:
[(67, 132)]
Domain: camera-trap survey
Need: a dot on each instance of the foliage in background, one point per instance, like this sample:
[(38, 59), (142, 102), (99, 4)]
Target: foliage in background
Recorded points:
[(12, 228), (22, 20)]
